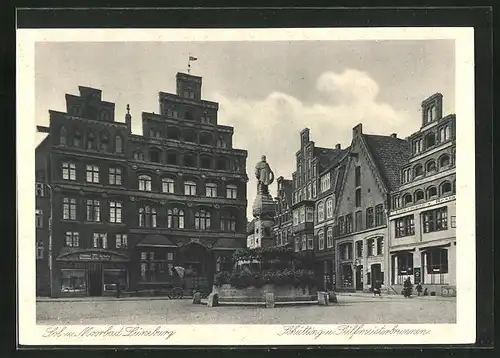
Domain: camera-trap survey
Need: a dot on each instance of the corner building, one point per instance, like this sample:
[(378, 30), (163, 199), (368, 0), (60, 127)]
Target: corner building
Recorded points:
[(422, 220), (119, 208)]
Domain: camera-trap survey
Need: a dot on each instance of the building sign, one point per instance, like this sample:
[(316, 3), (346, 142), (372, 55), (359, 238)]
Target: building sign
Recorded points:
[(416, 275), (423, 205), (94, 257)]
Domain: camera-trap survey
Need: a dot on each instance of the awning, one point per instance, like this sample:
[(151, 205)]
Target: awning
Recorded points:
[(430, 247), (156, 241), (402, 250)]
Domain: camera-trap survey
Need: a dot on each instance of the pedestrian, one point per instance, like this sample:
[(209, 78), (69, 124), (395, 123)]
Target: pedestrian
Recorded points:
[(118, 289), (407, 287), (425, 292), (419, 289), (377, 288)]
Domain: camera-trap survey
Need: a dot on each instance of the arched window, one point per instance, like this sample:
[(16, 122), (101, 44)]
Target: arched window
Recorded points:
[(144, 183), (211, 190), (329, 208), (154, 156), (63, 139), (77, 139), (447, 133), (221, 143), (231, 191), (167, 185), (321, 212), (431, 192), (430, 140), (418, 170), (189, 188), (202, 220), (419, 195), (147, 217), (104, 141), (175, 218), (228, 222), (91, 141), (446, 188), (138, 156), (118, 144), (444, 160), (407, 199), (430, 166)]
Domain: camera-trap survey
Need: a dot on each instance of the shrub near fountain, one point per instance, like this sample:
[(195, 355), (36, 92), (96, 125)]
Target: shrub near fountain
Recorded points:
[(261, 271)]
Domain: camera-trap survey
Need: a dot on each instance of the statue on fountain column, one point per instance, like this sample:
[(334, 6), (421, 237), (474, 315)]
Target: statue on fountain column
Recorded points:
[(264, 175)]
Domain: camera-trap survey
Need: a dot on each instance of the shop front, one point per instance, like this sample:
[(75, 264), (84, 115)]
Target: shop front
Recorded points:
[(90, 273)]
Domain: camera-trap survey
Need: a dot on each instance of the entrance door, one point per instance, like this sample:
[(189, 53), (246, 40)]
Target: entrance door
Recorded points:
[(95, 279), (359, 278), (376, 273)]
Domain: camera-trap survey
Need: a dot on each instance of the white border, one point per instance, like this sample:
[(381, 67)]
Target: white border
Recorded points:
[(461, 332)]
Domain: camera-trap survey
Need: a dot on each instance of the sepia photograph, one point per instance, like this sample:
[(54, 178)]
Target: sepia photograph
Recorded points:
[(297, 186)]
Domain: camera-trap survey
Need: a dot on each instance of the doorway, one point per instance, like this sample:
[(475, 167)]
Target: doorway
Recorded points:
[(95, 279), (376, 274), (359, 278)]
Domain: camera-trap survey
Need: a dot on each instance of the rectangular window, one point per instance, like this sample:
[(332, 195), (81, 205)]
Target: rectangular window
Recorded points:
[(348, 223), (39, 187), (39, 250), (92, 174), (321, 240), (357, 176), (314, 189), (170, 256), (341, 225), (121, 241), (211, 190), (309, 191), (359, 221), (396, 202), (309, 214), (115, 176), (167, 185), (379, 215), (321, 212), (329, 208), (189, 188), (359, 248), (115, 212), (69, 209), (370, 245), (93, 210), (100, 240), (329, 237), (68, 171), (345, 251), (304, 243), (73, 280), (302, 215), (295, 217), (435, 220), (358, 197), (72, 239), (231, 192), (437, 261), (38, 218), (297, 244), (369, 218), (405, 226), (380, 246), (310, 242)]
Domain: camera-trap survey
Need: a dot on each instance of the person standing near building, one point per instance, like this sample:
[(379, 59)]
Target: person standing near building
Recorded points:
[(377, 286), (419, 289)]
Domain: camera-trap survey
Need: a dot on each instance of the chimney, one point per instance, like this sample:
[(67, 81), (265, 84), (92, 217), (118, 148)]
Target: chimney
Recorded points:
[(357, 130), (394, 135), (337, 146)]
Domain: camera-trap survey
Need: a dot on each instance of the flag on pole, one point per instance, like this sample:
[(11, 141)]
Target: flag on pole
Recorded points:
[(192, 58)]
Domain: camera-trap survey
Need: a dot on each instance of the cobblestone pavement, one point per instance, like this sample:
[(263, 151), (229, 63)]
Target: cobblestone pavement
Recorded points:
[(351, 308)]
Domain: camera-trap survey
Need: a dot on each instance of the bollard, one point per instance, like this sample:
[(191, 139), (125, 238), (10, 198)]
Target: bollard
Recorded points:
[(269, 300), (197, 298), (332, 297), (213, 300), (322, 298)]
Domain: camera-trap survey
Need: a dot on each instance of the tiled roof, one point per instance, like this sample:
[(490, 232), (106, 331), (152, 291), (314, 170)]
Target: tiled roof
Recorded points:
[(389, 154), (326, 156), (156, 240)]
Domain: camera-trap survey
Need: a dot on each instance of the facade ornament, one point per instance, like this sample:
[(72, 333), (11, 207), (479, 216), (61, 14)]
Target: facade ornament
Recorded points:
[(181, 174), (203, 176), (81, 192), (224, 178), (134, 167), (163, 202), (132, 198), (264, 175), (217, 206), (190, 204), (104, 195), (157, 171)]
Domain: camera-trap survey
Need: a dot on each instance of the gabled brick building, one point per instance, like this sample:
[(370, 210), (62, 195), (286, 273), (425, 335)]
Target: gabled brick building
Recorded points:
[(125, 208)]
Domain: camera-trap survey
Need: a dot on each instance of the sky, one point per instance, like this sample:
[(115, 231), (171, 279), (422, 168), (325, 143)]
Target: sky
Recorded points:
[(268, 91)]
